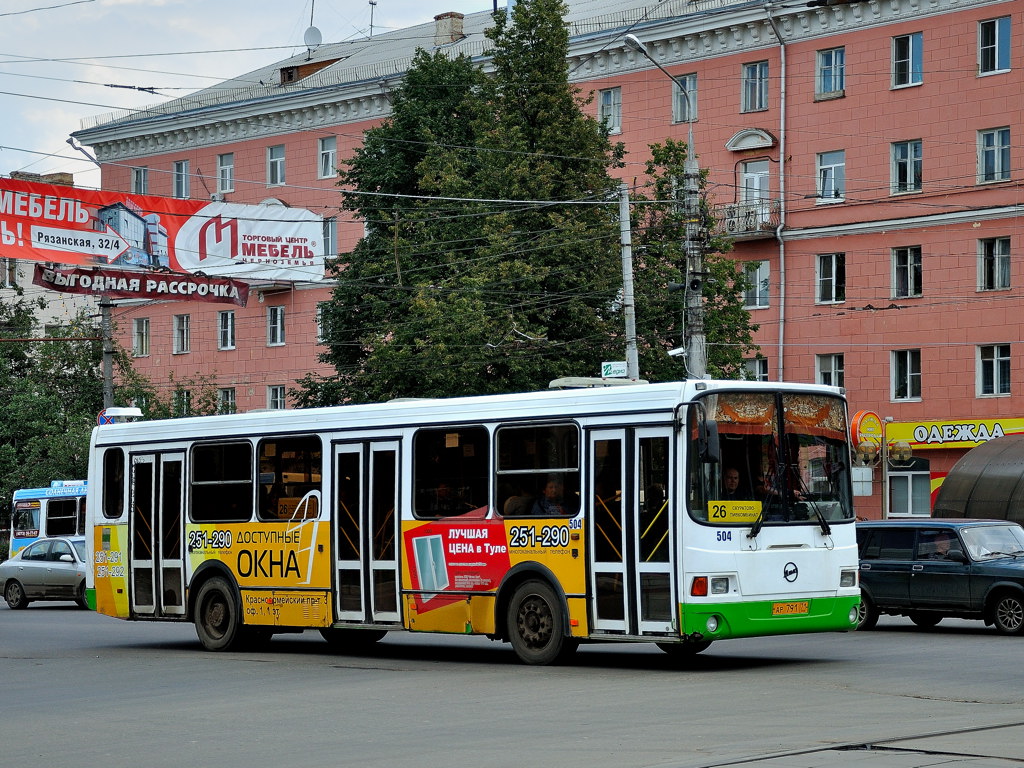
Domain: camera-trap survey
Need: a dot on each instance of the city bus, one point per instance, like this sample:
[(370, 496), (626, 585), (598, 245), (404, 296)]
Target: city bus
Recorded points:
[(58, 510), (543, 519)]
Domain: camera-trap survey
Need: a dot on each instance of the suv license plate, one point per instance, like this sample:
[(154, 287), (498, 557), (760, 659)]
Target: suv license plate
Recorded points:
[(789, 609)]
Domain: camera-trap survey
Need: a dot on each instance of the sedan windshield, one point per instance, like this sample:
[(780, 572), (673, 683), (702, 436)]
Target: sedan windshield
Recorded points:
[(991, 541)]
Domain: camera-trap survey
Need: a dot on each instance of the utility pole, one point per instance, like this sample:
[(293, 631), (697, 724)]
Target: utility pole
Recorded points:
[(107, 333), (628, 303), (694, 338)]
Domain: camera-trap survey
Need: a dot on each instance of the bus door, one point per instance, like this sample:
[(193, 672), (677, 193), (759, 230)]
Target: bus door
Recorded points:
[(632, 530), (366, 532), (155, 555)]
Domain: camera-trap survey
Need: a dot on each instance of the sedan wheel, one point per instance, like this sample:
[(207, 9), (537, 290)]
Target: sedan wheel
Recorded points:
[(15, 595), (1008, 614)]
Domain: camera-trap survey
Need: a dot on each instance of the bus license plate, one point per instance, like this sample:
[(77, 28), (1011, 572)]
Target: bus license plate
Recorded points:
[(790, 609)]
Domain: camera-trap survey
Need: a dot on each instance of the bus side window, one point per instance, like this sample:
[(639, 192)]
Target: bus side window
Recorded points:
[(538, 470), (450, 471), (113, 483), (222, 487), (290, 478)]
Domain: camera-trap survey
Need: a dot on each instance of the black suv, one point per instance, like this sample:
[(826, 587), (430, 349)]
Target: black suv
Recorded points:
[(929, 569)]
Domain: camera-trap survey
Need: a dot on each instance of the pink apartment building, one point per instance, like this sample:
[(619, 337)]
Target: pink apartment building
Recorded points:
[(864, 156)]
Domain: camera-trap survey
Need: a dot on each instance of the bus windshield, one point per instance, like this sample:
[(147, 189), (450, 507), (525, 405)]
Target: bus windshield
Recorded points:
[(782, 459)]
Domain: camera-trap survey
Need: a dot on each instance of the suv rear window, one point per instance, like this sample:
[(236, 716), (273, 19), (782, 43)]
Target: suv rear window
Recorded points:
[(889, 544)]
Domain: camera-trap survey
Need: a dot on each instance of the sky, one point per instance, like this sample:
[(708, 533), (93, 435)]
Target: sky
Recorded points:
[(64, 60)]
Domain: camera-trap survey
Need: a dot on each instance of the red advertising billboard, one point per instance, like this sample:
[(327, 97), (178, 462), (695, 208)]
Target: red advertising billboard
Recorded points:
[(137, 284), (95, 228)]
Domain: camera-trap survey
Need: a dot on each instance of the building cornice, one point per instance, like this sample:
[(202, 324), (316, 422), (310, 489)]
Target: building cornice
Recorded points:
[(913, 222)]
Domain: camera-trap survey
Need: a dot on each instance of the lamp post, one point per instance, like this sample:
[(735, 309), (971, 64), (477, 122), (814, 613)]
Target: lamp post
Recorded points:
[(696, 350)]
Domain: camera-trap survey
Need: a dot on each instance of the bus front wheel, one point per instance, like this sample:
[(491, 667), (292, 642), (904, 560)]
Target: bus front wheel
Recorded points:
[(218, 620), (535, 625)]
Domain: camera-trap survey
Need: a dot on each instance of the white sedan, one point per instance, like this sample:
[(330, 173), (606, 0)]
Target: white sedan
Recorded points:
[(48, 569)]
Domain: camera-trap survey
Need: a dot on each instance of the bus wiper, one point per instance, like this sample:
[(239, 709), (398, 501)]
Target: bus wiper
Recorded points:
[(826, 529), (758, 524)]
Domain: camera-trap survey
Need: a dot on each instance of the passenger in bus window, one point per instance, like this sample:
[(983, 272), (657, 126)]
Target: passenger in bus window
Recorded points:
[(518, 504), (553, 501)]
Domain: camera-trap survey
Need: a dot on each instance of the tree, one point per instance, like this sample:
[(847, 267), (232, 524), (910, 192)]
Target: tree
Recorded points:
[(659, 234), (477, 294)]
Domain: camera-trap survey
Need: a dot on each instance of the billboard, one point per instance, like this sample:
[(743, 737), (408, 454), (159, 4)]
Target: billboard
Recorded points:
[(96, 228)]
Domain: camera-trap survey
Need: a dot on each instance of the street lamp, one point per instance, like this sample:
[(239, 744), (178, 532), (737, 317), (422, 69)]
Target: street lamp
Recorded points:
[(696, 351)]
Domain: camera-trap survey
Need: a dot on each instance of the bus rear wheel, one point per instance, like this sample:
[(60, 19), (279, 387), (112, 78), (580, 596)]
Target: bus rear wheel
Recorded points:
[(536, 623), (218, 619)]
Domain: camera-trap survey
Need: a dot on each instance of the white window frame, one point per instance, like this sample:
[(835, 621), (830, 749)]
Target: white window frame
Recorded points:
[(831, 177), (994, 155), (227, 400), (275, 326), (275, 166), (754, 96), (908, 64), (609, 109), (907, 161), (905, 366), (140, 337), (993, 370), (994, 264), (226, 172), (182, 334), (327, 154), (181, 180), (8, 272), (994, 46), (684, 103), (830, 74), (140, 180), (830, 278), (831, 370), (907, 270), (916, 488), (226, 329), (277, 397), (757, 297), (757, 368), (182, 402), (320, 328), (330, 238)]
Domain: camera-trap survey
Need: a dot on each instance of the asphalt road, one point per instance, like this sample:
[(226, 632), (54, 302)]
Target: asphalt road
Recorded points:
[(77, 689)]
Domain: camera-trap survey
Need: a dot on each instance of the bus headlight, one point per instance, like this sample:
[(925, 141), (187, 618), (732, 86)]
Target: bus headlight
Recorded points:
[(854, 616), (719, 585), (848, 579), (712, 624)]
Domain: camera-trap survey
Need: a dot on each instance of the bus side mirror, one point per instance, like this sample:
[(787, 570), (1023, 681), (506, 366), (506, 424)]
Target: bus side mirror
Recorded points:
[(707, 443)]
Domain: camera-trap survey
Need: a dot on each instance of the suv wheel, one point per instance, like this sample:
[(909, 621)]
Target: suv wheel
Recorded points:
[(867, 614), (1008, 613)]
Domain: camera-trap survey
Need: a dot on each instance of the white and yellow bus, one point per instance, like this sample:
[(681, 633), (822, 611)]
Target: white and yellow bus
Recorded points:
[(57, 510), (543, 519)]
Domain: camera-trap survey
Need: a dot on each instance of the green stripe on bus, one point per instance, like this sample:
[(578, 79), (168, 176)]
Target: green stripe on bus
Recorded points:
[(756, 619)]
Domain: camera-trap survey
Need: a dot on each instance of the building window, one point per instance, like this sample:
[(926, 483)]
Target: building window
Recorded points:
[(994, 369), (830, 370), (609, 109), (140, 337), (910, 490), (832, 176), (181, 180), (906, 374), (994, 264), (226, 401), (906, 267), (994, 46), (275, 326), (756, 369), (755, 87), (182, 337), (684, 103), (276, 397), (994, 155), (906, 166), (8, 273), (275, 165), (226, 329), (327, 150), (226, 172), (830, 80), (321, 329), (907, 68), (831, 278), (140, 181), (182, 402), (756, 296), (330, 238)]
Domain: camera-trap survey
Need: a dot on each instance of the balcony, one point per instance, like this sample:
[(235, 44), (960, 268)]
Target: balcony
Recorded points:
[(752, 220)]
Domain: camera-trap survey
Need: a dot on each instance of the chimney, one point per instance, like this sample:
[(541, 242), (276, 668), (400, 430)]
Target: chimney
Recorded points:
[(448, 28)]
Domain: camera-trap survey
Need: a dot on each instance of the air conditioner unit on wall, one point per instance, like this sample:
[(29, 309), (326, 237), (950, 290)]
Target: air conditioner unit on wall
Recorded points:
[(217, 197)]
